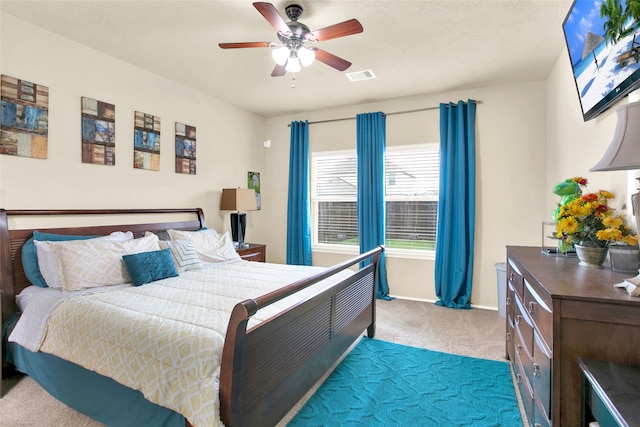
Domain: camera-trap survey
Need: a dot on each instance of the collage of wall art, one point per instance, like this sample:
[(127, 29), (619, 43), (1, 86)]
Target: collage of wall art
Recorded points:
[(24, 128), (24, 123)]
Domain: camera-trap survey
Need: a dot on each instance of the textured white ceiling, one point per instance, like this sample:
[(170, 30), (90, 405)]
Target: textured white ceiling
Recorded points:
[(413, 47)]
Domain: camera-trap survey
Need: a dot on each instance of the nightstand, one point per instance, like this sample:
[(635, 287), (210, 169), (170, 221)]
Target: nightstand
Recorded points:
[(253, 252)]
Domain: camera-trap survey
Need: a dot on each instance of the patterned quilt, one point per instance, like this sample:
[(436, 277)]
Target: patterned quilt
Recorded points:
[(166, 338)]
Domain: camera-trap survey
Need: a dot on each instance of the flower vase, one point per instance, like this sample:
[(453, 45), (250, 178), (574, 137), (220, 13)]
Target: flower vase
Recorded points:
[(591, 257)]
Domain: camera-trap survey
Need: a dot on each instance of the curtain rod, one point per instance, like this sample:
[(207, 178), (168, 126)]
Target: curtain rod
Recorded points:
[(386, 114)]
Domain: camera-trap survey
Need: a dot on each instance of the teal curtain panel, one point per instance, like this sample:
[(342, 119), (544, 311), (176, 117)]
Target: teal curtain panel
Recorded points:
[(456, 205), (299, 204), (370, 150)]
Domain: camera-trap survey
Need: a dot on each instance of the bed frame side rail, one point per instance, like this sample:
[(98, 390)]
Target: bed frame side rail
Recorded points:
[(266, 370)]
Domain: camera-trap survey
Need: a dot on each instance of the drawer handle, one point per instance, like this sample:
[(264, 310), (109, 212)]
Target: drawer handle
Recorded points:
[(508, 301), (518, 349), (518, 319), (536, 370), (532, 305), (512, 277), (518, 378), (508, 336)]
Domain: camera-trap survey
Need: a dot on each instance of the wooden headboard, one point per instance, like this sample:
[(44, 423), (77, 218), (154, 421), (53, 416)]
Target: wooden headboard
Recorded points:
[(12, 277)]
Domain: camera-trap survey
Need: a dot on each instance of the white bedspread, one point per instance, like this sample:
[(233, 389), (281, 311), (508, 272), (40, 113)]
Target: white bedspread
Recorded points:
[(164, 338)]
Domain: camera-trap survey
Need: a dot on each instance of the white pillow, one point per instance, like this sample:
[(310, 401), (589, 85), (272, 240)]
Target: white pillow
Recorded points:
[(209, 245), (183, 254), (201, 238), (222, 251), (48, 262), (90, 263)]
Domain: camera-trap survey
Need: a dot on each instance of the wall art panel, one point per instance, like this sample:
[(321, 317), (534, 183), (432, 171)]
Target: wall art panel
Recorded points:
[(146, 142), (24, 120), (185, 149), (253, 182), (98, 132)]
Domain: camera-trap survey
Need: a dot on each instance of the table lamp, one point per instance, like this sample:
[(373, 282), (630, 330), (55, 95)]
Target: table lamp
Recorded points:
[(238, 199), (624, 154), (624, 151)]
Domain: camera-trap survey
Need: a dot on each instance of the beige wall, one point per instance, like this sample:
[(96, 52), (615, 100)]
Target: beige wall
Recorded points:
[(229, 140), (511, 155), (529, 137), (575, 146)]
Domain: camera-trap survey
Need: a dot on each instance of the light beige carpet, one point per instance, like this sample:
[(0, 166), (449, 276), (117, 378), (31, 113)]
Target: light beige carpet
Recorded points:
[(475, 332)]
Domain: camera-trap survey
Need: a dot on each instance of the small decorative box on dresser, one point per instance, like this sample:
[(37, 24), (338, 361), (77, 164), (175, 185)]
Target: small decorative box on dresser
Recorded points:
[(253, 252), (558, 311)]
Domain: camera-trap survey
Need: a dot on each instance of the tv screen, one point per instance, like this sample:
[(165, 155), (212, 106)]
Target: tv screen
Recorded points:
[(603, 40)]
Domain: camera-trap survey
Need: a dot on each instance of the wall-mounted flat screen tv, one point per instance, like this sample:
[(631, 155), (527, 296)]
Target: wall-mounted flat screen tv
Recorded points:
[(603, 40)]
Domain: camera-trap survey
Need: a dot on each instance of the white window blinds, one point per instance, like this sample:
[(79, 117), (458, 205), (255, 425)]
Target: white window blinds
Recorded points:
[(411, 192)]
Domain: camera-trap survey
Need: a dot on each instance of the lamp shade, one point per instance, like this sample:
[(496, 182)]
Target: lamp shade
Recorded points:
[(624, 151), (293, 65), (238, 199), (280, 55), (306, 56)]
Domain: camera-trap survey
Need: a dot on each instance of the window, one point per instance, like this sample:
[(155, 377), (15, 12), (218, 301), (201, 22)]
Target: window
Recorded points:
[(411, 193)]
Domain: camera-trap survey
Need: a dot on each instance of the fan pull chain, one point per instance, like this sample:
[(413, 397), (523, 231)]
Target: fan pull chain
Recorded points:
[(293, 81)]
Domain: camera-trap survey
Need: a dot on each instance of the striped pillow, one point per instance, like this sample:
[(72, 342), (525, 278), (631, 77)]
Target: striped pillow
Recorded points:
[(183, 253)]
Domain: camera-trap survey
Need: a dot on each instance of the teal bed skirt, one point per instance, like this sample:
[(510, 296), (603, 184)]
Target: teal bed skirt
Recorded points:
[(88, 392)]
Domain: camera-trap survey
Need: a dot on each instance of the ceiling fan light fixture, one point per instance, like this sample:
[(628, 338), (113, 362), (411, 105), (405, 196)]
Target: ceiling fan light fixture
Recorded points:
[(280, 55), (290, 54), (306, 56), (293, 65)]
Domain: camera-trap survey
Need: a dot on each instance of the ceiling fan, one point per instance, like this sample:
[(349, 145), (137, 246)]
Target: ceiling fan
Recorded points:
[(293, 51)]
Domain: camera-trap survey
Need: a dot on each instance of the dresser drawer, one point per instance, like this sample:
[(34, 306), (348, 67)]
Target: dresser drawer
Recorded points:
[(510, 302), (510, 329), (525, 358), (540, 311), (524, 387), (542, 375), (257, 256), (524, 327), (514, 278), (539, 419)]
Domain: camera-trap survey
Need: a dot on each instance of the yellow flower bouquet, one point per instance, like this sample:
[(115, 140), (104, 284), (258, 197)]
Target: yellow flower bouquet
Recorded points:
[(587, 220)]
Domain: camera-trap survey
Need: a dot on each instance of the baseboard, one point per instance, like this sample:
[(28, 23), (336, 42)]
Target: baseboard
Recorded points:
[(483, 307)]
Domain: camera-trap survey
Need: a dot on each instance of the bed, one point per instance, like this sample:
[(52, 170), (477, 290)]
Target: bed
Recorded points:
[(265, 366)]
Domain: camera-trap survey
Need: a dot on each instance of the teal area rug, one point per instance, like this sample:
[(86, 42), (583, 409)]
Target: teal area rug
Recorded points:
[(385, 384)]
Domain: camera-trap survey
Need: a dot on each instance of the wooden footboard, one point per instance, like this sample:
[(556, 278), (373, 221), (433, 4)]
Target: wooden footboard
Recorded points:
[(267, 369)]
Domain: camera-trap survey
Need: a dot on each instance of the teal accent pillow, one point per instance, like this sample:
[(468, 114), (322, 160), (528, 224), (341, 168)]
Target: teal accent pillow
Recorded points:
[(30, 256), (147, 267)]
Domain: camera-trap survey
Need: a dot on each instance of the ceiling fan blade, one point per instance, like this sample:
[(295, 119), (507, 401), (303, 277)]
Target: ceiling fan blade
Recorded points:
[(241, 45), (278, 71), (342, 29), (271, 14), (332, 60)]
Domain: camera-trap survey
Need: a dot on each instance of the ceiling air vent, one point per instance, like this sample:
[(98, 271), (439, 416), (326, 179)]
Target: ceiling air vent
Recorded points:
[(357, 76)]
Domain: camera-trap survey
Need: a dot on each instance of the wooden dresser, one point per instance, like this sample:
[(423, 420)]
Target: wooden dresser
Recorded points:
[(558, 311)]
